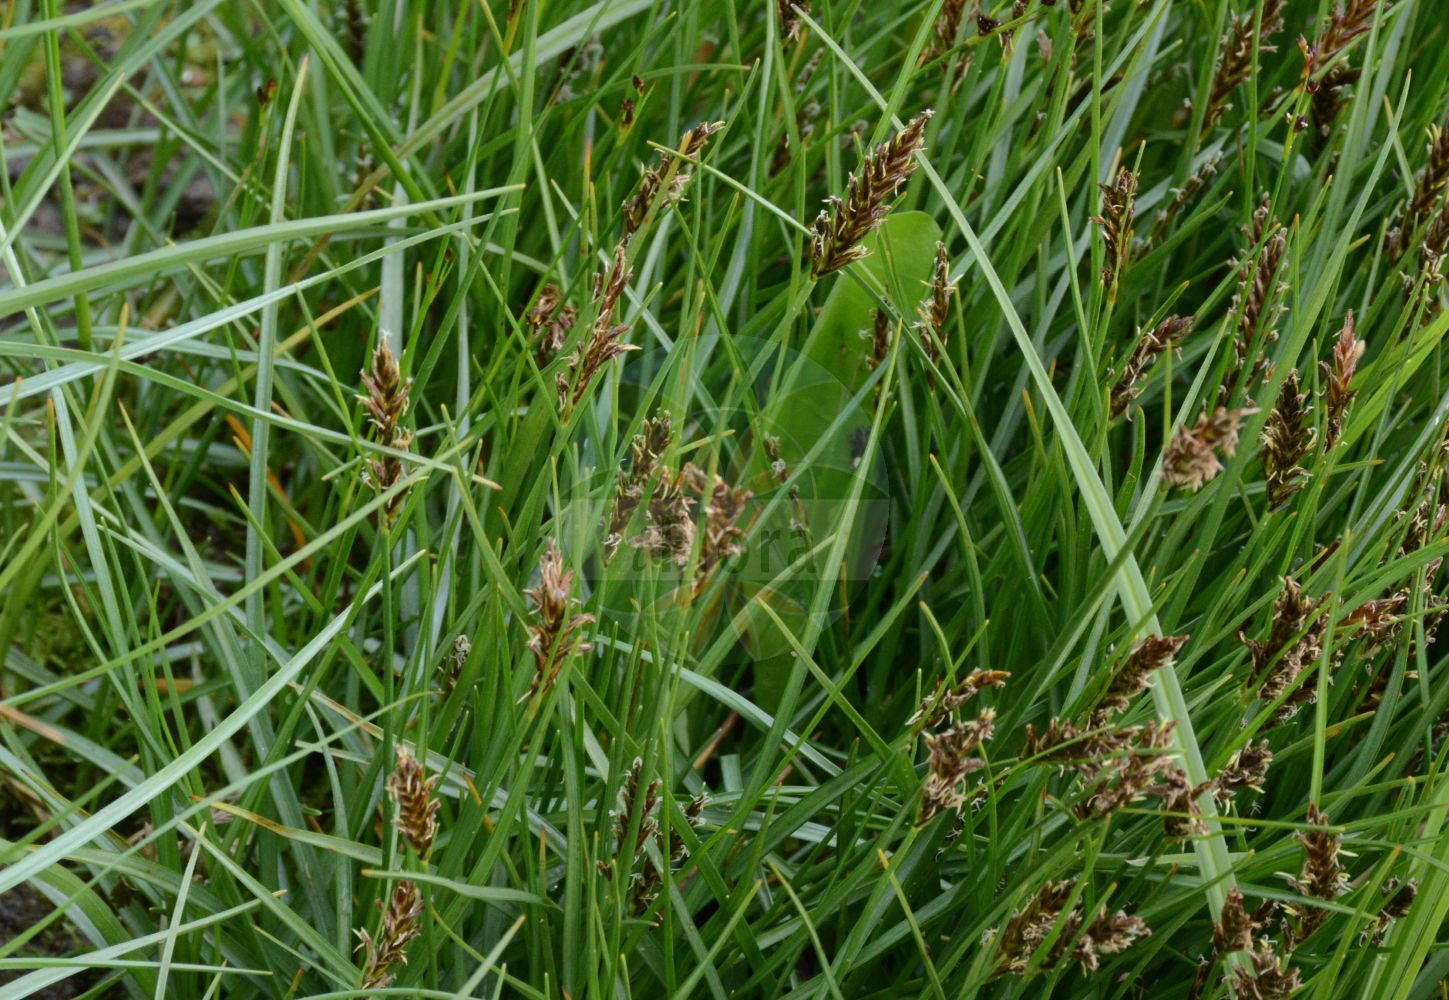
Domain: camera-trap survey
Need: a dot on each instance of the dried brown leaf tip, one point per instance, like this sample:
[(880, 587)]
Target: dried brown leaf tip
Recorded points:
[(417, 808), (1254, 303), (645, 857), (1119, 209), (1429, 186), (385, 401), (1190, 459), (603, 344), (931, 321), (1338, 390), (1238, 60), (1295, 641), (1321, 877), (1155, 652), (835, 238), (553, 633), (645, 453), (663, 184), (1019, 944), (549, 322), (1286, 440), (399, 926), (1128, 385)]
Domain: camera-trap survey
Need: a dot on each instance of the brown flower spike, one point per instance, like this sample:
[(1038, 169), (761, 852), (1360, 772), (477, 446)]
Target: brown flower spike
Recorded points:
[(385, 402), (1286, 440), (933, 311), (1339, 392), (1154, 342), (552, 637), (399, 926), (836, 235), (1031, 925), (1190, 459), (645, 451), (417, 808), (1237, 63), (1119, 209)]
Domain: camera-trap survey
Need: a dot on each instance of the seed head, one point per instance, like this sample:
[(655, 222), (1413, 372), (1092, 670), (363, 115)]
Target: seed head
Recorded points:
[(549, 323), (385, 402), (1191, 458), (1237, 61), (1160, 338), (1286, 440), (1155, 652), (835, 240), (1338, 390), (932, 312), (417, 809), (552, 635), (1429, 186), (399, 926), (1118, 211)]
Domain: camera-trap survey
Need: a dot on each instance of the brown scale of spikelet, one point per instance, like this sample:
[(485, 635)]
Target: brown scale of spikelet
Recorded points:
[(385, 402), (1115, 221), (549, 323), (1236, 63), (1127, 386), (603, 344), (1295, 640), (1029, 927), (417, 808), (399, 926), (835, 238), (932, 313), (1338, 390), (1254, 302), (1286, 440), (1321, 877), (1155, 652), (645, 451), (552, 635), (949, 763), (1429, 186), (668, 178), (1191, 457)]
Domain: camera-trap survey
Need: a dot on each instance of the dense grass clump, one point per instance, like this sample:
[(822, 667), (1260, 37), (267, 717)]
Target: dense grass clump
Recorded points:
[(632, 498)]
